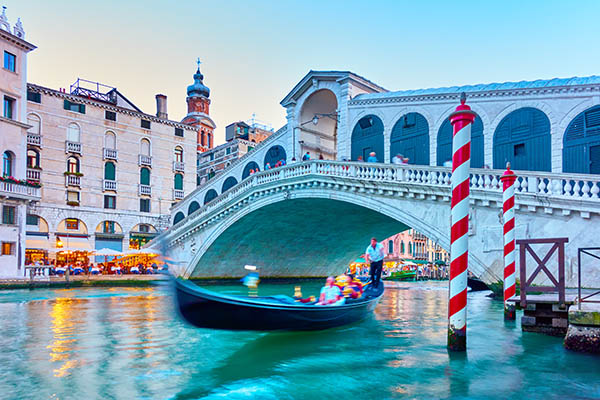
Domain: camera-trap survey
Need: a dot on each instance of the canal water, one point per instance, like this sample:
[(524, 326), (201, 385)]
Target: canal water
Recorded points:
[(127, 343)]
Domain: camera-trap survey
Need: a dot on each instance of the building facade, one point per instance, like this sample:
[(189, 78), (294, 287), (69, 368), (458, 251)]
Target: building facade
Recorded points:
[(16, 193), (411, 244), (109, 172), (241, 138)]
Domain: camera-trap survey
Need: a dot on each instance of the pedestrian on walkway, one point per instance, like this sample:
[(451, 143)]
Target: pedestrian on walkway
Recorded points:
[(306, 156), (374, 255), (372, 157)]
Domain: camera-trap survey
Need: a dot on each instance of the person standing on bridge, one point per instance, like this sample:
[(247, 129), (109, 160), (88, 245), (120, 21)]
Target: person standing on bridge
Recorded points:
[(372, 157), (306, 156), (374, 255)]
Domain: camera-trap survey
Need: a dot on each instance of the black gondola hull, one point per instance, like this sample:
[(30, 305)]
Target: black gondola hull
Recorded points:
[(206, 309)]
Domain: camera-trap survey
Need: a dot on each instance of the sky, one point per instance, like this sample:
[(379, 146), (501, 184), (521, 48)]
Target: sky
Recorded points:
[(254, 52)]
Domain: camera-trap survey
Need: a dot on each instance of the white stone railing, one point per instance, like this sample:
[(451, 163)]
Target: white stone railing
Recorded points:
[(9, 189), (33, 174), (72, 147), (178, 194), (34, 140), (178, 166), (72, 180), (145, 160), (546, 187), (110, 154), (144, 190), (108, 184)]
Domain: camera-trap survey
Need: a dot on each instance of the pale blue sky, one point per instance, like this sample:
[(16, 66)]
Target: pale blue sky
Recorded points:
[(254, 52)]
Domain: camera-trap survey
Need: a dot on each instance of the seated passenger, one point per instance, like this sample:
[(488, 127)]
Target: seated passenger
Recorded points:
[(95, 270), (135, 270), (331, 294)]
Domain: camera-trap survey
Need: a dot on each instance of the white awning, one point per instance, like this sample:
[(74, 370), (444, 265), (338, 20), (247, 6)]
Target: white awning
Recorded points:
[(76, 243), (37, 242)]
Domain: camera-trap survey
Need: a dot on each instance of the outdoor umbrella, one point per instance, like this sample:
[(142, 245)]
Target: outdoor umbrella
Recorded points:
[(107, 252)]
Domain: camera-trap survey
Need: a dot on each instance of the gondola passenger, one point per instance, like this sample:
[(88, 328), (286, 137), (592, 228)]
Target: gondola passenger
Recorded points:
[(331, 294)]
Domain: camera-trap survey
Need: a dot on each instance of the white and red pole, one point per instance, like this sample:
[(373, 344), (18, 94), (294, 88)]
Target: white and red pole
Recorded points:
[(461, 120), (508, 207)]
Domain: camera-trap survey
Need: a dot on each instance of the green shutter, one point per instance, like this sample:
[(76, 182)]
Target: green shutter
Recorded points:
[(109, 171), (67, 105), (178, 182), (82, 108), (145, 176)]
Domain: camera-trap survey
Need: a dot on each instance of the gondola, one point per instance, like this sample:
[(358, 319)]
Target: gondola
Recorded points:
[(207, 309)]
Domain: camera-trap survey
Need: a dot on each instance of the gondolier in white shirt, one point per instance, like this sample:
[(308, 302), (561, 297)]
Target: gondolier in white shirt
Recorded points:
[(374, 255)]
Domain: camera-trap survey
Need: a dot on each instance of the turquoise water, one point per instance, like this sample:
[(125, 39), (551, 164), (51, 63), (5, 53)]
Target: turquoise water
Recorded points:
[(127, 343)]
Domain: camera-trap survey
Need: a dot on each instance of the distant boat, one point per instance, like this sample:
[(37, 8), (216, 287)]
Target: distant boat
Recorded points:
[(207, 309), (410, 275), (476, 284)]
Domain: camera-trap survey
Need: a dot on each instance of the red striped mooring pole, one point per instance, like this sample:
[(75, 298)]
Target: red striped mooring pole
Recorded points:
[(461, 121), (508, 207)]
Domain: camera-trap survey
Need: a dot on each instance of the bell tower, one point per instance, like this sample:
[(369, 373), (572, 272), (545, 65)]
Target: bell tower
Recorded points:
[(198, 104)]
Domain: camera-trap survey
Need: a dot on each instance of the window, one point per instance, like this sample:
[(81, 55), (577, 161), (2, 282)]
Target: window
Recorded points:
[(73, 198), (145, 147), (402, 247), (10, 61), (178, 154), (110, 115), (110, 202), (35, 123), (73, 132), (203, 138), (7, 163), (228, 150), (33, 159), (409, 248), (145, 176), (73, 165), (145, 124), (108, 227), (9, 105), (72, 224), (109, 171), (110, 140), (76, 107), (178, 182), (145, 205), (179, 132), (250, 148), (32, 220), (8, 248), (391, 247), (144, 228), (8, 215), (35, 97)]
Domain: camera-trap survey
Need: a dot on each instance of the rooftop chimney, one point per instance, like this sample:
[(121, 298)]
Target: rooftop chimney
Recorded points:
[(161, 106)]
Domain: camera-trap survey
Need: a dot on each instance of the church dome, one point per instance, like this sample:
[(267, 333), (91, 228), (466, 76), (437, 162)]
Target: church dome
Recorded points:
[(198, 88)]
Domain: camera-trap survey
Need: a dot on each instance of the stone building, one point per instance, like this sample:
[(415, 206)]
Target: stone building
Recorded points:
[(109, 172), (241, 138), (411, 244), (15, 192)]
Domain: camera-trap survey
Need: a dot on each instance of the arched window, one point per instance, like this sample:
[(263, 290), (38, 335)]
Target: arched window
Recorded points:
[(391, 247), (7, 163), (73, 133), (109, 171), (367, 136), (73, 164), (210, 140), (410, 248), (228, 184), (275, 154), (36, 124), (210, 195), (410, 138), (581, 143), (193, 207), (178, 217), (110, 140), (523, 139), (250, 166), (145, 176), (203, 138), (178, 184), (402, 247), (444, 143), (33, 158), (178, 154), (145, 147)]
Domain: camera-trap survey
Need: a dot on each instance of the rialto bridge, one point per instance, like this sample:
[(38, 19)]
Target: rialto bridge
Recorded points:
[(312, 218)]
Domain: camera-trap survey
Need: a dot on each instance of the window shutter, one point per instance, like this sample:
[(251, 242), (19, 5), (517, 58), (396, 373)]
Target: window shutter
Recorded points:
[(82, 108), (67, 105)]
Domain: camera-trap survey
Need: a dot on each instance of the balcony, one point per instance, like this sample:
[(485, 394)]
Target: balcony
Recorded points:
[(178, 166), (34, 140), (110, 154), (108, 184), (178, 194), (145, 190), (19, 191), (145, 160), (34, 174), (72, 147), (72, 180)]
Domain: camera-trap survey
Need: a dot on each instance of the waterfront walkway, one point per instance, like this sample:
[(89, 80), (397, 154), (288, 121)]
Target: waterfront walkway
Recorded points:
[(83, 280)]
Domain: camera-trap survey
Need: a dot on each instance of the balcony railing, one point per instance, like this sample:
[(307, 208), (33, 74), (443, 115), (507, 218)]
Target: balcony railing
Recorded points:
[(33, 174), (72, 180), (178, 194), (108, 184), (72, 147), (34, 140), (178, 166), (9, 189), (145, 160), (145, 190), (110, 154)]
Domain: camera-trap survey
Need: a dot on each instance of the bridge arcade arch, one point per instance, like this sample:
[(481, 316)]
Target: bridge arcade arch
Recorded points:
[(274, 154), (250, 166), (210, 195), (410, 137), (581, 143), (318, 124), (367, 136), (444, 143)]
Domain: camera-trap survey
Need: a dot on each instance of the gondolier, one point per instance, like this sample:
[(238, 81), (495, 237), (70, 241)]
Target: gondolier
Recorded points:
[(374, 255)]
